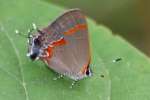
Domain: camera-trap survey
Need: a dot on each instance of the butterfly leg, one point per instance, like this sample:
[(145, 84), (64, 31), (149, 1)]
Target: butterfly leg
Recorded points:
[(58, 77), (73, 83)]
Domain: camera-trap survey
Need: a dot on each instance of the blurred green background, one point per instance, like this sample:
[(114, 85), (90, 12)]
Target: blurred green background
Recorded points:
[(128, 18)]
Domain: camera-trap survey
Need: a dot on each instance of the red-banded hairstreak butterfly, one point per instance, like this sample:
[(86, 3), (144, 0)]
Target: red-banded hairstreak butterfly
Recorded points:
[(63, 45)]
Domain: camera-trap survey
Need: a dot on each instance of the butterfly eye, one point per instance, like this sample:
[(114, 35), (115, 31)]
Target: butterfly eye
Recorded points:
[(37, 42)]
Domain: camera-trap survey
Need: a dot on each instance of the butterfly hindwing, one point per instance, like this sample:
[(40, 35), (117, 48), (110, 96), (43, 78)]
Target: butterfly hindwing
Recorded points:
[(70, 58)]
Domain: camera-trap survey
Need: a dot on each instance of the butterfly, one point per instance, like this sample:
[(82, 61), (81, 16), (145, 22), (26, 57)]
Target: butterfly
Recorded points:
[(63, 45)]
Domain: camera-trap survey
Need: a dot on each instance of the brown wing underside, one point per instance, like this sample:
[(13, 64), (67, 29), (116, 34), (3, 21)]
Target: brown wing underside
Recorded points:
[(69, 59)]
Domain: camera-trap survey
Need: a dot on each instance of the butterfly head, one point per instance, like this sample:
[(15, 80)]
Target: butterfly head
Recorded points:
[(34, 42), (34, 46)]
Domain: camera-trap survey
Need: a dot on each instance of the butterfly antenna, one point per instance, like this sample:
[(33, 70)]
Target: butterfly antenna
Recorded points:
[(34, 27), (29, 35), (20, 34)]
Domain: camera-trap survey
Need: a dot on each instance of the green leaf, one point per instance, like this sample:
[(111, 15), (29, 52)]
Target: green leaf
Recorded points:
[(22, 79)]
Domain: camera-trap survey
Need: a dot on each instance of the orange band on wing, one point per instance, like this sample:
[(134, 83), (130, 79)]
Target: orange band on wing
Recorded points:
[(49, 51), (75, 29), (59, 42)]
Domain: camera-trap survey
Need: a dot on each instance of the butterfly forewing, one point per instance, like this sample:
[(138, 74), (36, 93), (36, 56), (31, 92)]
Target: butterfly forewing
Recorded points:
[(70, 58)]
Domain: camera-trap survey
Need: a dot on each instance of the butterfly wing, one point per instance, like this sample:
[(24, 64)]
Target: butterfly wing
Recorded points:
[(73, 57)]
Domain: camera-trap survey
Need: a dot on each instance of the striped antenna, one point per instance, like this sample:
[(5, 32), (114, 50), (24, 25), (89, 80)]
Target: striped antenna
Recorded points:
[(20, 34)]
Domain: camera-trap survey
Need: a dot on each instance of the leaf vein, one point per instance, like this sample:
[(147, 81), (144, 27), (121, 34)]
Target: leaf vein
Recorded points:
[(20, 65)]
